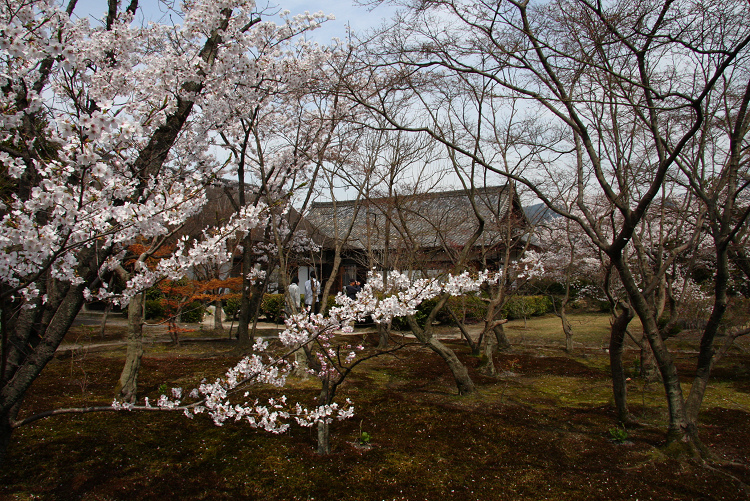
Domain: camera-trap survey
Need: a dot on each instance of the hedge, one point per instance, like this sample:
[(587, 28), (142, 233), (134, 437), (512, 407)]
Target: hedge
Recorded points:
[(231, 307), (272, 306), (155, 309), (192, 313), (526, 306), (470, 308)]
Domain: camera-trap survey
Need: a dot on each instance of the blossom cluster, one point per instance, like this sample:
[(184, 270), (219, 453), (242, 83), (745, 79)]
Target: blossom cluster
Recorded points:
[(401, 296), (215, 398), (96, 95)]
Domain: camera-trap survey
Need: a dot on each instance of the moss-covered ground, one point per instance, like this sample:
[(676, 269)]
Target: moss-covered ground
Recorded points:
[(540, 431)]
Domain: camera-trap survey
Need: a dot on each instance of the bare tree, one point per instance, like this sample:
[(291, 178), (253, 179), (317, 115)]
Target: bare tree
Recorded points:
[(600, 75)]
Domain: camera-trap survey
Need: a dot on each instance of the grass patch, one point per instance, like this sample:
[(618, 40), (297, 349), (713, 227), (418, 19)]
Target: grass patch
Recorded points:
[(590, 330)]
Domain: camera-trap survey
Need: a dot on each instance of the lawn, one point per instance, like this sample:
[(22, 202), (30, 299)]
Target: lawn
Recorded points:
[(543, 430)]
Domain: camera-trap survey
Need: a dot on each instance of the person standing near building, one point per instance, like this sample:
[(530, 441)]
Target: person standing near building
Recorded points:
[(353, 288), (312, 290), (293, 298)]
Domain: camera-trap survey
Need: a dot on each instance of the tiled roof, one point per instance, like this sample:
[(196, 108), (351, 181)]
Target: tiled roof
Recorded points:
[(428, 219)]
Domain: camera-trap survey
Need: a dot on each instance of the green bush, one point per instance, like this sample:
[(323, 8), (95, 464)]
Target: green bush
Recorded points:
[(603, 306), (526, 306), (331, 302), (470, 307), (154, 309), (272, 306), (232, 307), (153, 293), (192, 313), (618, 435)]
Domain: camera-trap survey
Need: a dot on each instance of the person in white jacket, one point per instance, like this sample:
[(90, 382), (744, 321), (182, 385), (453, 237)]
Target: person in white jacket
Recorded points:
[(312, 293), (293, 300)]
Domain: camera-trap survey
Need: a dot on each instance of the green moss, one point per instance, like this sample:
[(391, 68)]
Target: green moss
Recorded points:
[(538, 434)]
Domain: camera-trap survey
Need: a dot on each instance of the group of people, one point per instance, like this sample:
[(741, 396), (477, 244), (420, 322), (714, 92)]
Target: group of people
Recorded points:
[(312, 294)]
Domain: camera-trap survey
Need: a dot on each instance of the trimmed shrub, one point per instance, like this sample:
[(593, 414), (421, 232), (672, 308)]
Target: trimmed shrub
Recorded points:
[(526, 306), (330, 303), (153, 293), (192, 313), (272, 306), (232, 307), (154, 309), (471, 307)]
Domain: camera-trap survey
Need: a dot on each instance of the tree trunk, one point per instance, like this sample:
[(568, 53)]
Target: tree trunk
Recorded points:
[(218, 317), (323, 307), (476, 348), (490, 319), (683, 442), (460, 373), (302, 367), (567, 329), (384, 334), (5, 435), (463, 382), (32, 337), (661, 297), (244, 336), (489, 348), (682, 437), (126, 390), (174, 331), (648, 368), (324, 427), (256, 302), (706, 355), (324, 437), (502, 340), (616, 344), (103, 327)]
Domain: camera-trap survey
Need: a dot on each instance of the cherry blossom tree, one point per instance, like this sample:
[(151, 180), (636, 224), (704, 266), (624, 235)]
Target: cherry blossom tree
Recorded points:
[(276, 128), (229, 398), (104, 140)]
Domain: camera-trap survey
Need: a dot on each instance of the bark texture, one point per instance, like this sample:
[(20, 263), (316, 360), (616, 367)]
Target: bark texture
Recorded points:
[(461, 375), (324, 428), (463, 382), (487, 366), (127, 388), (616, 344)]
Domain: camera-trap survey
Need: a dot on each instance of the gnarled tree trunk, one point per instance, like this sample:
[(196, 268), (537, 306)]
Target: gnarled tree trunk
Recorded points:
[(682, 436), (502, 340), (567, 329), (324, 427), (489, 347), (6, 429), (249, 290), (384, 334), (127, 387), (218, 317), (460, 373), (463, 382), (616, 344)]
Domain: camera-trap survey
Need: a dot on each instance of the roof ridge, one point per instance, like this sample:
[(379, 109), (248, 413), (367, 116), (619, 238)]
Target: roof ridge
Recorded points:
[(432, 195)]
